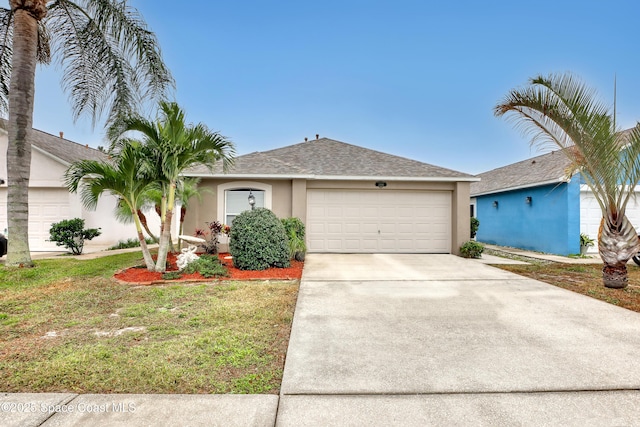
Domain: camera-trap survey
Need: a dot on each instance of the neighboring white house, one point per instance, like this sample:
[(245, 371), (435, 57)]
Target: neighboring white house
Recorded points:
[(49, 200)]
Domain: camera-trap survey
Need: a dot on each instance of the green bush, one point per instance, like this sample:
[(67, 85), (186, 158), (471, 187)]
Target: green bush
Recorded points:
[(471, 249), (207, 265), (258, 241), (71, 234), (171, 275), (475, 224), (295, 230), (129, 243)]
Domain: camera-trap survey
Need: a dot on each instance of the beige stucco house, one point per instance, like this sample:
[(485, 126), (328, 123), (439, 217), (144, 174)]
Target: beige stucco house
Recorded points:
[(49, 200), (352, 199)]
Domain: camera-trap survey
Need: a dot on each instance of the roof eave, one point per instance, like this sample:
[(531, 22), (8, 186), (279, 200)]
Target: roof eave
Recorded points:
[(336, 177), (522, 187)]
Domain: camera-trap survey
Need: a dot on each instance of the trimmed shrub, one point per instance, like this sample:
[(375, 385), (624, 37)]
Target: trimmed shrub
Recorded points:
[(472, 249), (71, 234), (258, 241)]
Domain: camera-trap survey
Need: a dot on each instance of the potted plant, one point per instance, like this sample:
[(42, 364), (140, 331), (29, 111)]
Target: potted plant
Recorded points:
[(585, 243)]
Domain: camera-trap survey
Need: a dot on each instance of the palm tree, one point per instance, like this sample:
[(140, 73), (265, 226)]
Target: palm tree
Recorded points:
[(127, 176), (111, 64), (561, 111), (173, 147)]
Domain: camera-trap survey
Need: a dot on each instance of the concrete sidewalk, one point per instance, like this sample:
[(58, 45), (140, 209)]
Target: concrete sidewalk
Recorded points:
[(592, 258)]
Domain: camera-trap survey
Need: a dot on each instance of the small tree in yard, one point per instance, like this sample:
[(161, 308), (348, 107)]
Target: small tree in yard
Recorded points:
[(171, 146), (71, 234)]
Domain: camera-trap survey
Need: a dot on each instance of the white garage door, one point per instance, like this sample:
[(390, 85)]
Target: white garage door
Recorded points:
[(344, 221), (591, 215), (46, 206)]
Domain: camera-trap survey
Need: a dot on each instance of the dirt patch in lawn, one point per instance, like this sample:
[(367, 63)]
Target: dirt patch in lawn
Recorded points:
[(140, 275), (585, 279)]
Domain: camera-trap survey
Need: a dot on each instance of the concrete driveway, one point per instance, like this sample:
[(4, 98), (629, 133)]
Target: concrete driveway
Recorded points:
[(441, 340)]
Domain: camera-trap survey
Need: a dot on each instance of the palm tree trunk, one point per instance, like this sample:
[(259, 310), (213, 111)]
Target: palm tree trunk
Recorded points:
[(617, 245), (148, 259), (165, 238), (143, 221), (183, 212), (21, 97)]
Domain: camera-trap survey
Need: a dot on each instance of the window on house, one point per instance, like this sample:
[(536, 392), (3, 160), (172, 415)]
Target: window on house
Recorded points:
[(237, 201)]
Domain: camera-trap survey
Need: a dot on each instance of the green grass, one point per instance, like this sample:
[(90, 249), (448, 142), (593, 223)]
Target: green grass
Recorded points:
[(62, 329)]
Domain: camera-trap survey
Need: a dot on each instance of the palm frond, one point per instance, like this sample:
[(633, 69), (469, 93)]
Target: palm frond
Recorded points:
[(6, 55), (560, 110), (111, 62)]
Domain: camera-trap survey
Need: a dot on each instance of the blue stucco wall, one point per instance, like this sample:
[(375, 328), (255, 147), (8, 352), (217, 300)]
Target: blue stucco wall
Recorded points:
[(550, 223)]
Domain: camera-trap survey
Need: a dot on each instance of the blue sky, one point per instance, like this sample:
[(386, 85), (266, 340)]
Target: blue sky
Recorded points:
[(413, 78)]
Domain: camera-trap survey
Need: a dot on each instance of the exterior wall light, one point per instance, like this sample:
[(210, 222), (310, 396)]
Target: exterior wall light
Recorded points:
[(527, 200), (252, 200), (495, 203), (381, 184), (1, 181)]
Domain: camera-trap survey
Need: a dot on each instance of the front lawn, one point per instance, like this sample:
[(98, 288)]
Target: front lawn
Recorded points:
[(585, 279), (66, 326)]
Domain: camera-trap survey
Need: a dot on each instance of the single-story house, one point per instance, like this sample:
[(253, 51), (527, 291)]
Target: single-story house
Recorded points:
[(534, 205), (49, 199), (352, 199)]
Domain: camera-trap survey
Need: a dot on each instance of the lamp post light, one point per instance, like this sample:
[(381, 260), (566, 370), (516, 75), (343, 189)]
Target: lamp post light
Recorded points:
[(252, 200)]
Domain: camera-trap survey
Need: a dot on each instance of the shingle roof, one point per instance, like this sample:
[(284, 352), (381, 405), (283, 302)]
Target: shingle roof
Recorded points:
[(324, 157), (547, 168), (60, 148)]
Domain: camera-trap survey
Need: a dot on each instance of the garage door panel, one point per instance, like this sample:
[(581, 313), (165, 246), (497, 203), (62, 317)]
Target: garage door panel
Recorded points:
[(369, 228), (405, 228), (334, 228), (369, 212), (369, 244), (388, 227), (380, 221)]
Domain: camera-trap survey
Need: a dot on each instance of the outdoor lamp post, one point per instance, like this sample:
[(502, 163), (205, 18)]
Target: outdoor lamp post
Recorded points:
[(252, 200)]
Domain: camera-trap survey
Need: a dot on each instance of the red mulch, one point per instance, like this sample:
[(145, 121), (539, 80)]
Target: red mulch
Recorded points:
[(143, 276)]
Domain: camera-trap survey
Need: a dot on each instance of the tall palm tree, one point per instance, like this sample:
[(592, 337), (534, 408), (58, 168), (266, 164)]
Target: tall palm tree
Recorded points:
[(126, 176), (173, 147), (561, 111), (111, 64)]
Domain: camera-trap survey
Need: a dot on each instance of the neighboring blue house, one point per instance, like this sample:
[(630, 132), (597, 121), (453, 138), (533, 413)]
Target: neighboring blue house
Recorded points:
[(533, 205)]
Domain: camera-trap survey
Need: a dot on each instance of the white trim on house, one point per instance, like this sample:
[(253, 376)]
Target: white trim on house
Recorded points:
[(51, 156)]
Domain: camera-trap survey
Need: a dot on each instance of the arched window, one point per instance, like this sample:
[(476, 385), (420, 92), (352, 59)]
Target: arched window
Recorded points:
[(233, 198)]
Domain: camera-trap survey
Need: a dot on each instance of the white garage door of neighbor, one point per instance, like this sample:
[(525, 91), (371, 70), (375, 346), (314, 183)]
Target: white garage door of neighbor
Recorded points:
[(46, 206), (591, 215), (345, 221)]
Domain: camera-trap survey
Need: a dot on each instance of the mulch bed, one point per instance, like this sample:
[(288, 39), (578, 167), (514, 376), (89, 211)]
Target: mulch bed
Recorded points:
[(142, 276)]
